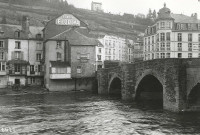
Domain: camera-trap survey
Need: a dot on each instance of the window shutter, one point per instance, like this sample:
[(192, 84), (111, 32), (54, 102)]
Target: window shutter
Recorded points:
[(36, 68), (22, 56), (13, 55)]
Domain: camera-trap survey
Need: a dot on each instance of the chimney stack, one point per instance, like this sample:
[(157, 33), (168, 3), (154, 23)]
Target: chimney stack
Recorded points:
[(25, 24)]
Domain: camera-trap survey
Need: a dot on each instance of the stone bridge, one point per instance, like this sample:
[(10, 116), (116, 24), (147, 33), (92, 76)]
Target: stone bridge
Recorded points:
[(176, 82)]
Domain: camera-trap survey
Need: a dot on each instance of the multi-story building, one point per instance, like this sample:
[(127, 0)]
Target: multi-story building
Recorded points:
[(96, 6), (115, 48), (19, 43), (172, 36), (69, 54), (138, 50)]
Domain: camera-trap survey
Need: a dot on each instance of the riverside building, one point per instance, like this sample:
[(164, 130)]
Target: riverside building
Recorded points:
[(172, 36)]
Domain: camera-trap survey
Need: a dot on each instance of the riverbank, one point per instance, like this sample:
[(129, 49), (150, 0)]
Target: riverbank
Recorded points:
[(24, 90)]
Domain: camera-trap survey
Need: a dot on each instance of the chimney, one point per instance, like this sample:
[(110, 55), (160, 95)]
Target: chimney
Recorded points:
[(25, 24), (195, 15)]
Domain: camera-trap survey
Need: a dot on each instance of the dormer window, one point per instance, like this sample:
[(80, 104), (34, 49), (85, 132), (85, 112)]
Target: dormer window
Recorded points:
[(39, 36), (17, 34), (189, 26), (162, 25)]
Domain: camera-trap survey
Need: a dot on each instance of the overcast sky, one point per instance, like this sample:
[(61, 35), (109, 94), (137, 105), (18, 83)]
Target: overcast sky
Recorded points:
[(186, 7)]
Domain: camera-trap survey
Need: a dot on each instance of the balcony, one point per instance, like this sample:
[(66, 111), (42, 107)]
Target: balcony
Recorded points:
[(2, 72), (60, 76)]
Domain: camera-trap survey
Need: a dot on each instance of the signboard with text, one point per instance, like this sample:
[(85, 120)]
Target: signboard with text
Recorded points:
[(67, 19)]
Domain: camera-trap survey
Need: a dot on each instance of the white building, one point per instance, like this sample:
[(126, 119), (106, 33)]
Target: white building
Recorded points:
[(172, 36), (96, 6)]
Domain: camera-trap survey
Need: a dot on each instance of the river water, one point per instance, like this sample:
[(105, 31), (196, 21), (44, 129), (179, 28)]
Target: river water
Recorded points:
[(81, 113)]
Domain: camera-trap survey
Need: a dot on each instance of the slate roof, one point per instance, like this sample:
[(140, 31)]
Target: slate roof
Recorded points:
[(180, 18), (75, 37), (9, 31)]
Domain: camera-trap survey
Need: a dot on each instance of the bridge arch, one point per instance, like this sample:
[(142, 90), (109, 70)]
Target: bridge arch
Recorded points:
[(115, 85), (194, 96), (150, 85)]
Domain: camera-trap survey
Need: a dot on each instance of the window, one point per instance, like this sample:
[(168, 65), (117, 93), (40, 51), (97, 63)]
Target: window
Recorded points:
[(109, 51), (113, 51), (39, 36), (179, 36), (157, 37), (168, 36), (78, 70), (1, 44), (162, 25), (179, 55), (168, 46), (17, 34), (58, 56), (148, 40), (189, 26), (99, 57), (190, 37), (152, 39), (32, 68), (58, 44), (179, 46), (199, 55), (18, 55), (17, 68), (99, 50), (17, 45), (162, 46), (157, 47), (198, 26), (162, 36), (157, 55), (162, 55), (38, 56), (189, 46), (169, 25), (1, 55), (39, 68), (168, 55), (39, 46), (189, 55), (2, 66)]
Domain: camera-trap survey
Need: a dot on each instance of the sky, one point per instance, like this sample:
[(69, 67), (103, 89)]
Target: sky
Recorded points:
[(186, 7)]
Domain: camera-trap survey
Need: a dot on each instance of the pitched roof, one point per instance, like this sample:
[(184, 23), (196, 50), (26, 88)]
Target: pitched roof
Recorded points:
[(75, 38), (9, 31), (180, 18)]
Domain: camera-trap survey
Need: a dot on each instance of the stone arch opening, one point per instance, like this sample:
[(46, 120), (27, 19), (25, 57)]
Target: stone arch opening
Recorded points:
[(194, 96), (115, 87), (149, 88)]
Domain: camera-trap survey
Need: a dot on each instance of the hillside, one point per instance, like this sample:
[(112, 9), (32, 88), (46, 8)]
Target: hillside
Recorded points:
[(101, 22)]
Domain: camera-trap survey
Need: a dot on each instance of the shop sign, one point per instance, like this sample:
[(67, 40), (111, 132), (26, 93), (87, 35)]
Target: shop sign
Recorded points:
[(67, 19)]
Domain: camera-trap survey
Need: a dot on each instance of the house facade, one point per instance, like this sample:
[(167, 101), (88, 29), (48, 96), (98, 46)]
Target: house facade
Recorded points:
[(69, 54), (18, 50)]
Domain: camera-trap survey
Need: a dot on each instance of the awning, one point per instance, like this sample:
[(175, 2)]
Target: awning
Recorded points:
[(18, 62), (59, 64)]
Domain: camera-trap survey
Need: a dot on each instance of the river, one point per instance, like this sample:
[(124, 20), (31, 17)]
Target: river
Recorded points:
[(82, 113)]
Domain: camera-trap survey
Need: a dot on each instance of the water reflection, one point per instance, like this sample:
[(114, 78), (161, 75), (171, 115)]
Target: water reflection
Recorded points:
[(85, 113)]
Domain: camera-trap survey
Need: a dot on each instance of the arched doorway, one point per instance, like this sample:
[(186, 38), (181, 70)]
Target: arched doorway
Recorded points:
[(149, 88), (115, 87), (194, 96)]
